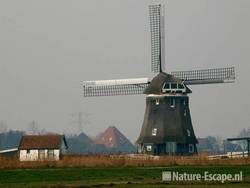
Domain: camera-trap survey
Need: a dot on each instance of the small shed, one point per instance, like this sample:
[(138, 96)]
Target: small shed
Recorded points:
[(13, 152), (42, 147)]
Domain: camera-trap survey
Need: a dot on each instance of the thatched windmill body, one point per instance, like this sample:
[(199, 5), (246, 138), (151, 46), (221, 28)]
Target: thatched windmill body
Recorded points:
[(167, 127)]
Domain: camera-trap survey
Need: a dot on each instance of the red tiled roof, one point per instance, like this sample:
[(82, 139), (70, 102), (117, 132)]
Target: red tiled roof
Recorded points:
[(41, 142), (112, 137)]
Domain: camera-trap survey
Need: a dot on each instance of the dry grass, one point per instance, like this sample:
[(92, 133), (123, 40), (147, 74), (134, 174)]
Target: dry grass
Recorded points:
[(121, 161)]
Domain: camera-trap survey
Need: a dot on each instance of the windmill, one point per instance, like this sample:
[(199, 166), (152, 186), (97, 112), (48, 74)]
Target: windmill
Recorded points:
[(167, 127)]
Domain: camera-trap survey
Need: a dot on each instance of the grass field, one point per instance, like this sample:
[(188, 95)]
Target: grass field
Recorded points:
[(117, 171), (115, 177)]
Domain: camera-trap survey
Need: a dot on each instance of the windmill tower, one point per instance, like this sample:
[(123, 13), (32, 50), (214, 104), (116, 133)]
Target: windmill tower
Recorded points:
[(167, 127)]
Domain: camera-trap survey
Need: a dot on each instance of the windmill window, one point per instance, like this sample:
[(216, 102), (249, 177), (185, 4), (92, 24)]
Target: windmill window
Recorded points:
[(157, 101), (173, 86), (185, 112), (188, 132), (171, 147), (180, 86), (149, 148), (172, 103), (191, 148), (154, 131), (167, 86)]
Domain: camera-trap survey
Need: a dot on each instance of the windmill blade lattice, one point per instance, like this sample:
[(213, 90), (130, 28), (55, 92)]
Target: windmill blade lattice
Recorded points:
[(155, 29), (115, 87), (206, 76)]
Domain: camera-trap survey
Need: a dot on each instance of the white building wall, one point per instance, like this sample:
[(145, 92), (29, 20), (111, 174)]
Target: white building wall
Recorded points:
[(33, 155), (57, 154)]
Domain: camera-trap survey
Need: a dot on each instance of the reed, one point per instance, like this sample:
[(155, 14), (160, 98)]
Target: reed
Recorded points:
[(121, 161)]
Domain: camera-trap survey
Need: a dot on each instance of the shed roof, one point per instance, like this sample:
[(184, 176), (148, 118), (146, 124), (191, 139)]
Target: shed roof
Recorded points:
[(42, 142), (8, 150)]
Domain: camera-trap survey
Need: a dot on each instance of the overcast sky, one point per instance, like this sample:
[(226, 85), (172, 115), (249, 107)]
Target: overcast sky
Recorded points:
[(48, 47)]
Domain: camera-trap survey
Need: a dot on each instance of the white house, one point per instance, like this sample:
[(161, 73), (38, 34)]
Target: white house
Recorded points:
[(42, 147)]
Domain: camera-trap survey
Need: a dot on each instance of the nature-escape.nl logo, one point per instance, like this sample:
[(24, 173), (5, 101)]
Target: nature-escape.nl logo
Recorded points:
[(205, 176)]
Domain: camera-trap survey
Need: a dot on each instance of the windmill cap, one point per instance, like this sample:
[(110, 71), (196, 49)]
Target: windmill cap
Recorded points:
[(156, 85)]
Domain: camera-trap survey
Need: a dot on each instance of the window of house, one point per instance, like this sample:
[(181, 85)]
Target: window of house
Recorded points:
[(50, 153), (185, 112), (28, 151), (41, 154), (154, 131)]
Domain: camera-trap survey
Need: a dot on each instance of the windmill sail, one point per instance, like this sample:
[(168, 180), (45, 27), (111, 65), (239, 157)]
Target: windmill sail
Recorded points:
[(206, 76), (157, 37), (114, 87)]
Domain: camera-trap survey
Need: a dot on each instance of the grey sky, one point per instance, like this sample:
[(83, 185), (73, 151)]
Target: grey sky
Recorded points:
[(48, 47)]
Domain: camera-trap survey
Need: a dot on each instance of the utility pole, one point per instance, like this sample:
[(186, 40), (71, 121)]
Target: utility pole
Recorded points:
[(80, 119)]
